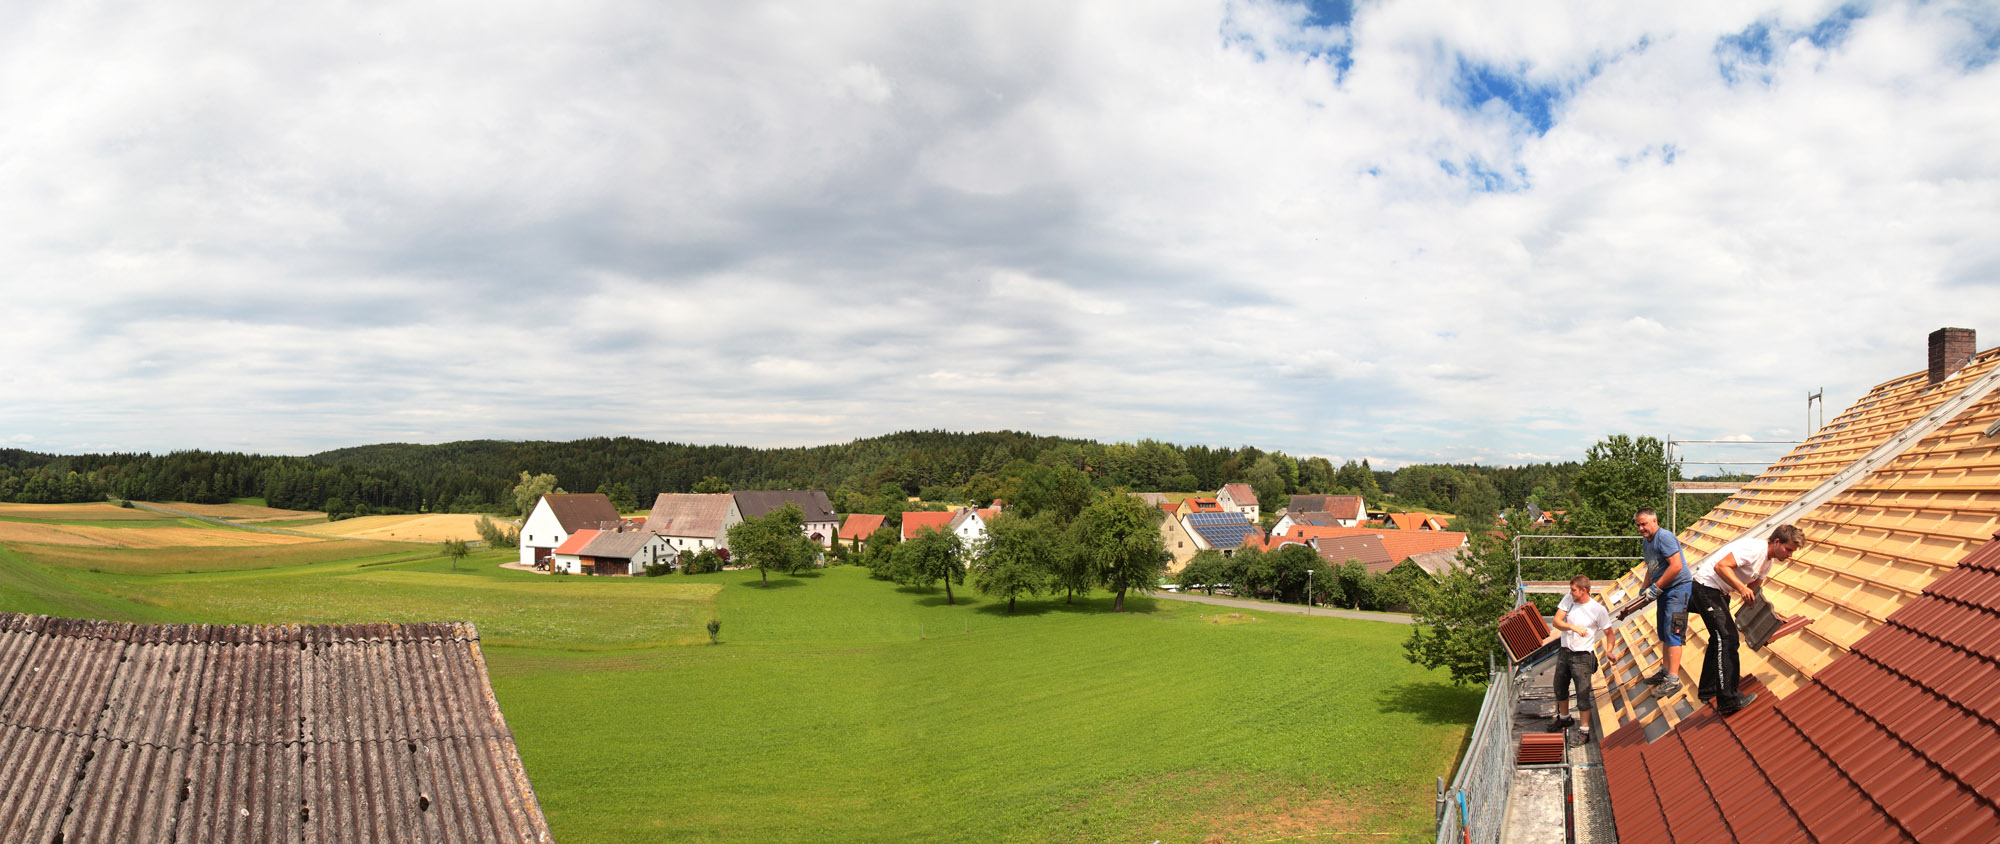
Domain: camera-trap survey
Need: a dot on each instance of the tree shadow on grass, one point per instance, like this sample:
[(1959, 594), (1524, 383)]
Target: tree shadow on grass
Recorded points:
[(776, 583), (1098, 604), (1433, 702)]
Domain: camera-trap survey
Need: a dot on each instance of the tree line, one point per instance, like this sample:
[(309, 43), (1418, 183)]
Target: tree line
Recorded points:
[(877, 474)]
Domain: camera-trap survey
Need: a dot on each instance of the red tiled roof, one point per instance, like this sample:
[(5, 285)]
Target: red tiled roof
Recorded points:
[(1339, 506), (1896, 740), (1242, 494), (860, 525), (988, 514), (1202, 505), (1404, 544), (1366, 549), (1167, 506), (917, 520), (576, 541), (1416, 521)]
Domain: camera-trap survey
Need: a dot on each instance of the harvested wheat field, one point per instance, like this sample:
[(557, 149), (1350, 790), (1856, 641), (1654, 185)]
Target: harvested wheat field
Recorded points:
[(96, 512), (242, 512), (99, 536), (435, 527)]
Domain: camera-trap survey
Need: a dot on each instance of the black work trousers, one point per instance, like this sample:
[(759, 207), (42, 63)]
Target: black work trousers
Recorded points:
[(1719, 669)]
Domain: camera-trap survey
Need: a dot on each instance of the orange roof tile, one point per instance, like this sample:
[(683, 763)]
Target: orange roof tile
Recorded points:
[(860, 525), (918, 520), (576, 541)]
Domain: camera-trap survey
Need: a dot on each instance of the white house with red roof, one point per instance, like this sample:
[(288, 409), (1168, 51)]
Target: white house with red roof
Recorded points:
[(1238, 498), (556, 518)]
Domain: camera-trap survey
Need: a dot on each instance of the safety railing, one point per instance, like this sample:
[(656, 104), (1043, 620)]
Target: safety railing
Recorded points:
[(1473, 808)]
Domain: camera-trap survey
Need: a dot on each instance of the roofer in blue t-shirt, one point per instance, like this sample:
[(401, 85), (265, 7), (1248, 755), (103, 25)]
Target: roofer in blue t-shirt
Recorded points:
[(1669, 582)]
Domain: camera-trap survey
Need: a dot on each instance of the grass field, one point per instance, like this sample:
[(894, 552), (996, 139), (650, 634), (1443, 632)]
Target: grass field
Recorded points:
[(839, 708)]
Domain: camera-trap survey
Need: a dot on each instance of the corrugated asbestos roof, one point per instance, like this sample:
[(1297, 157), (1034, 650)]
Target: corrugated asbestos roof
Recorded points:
[(1881, 720), (198, 733)]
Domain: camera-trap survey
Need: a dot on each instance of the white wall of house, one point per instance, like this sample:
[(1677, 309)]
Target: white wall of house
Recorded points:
[(541, 530), (1200, 544), (827, 531), (972, 528), (567, 563), (1230, 503), (1283, 525)]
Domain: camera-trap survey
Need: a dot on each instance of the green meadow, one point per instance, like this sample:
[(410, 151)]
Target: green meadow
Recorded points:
[(840, 708)]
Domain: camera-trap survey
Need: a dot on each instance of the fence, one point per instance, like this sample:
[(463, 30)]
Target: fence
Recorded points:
[(1475, 806)]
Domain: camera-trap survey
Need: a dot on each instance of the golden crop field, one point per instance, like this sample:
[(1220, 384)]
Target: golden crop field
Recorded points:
[(104, 512), (435, 527), (101, 536), (242, 512)]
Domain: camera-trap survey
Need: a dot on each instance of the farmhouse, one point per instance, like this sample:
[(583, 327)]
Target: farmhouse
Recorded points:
[(185, 732), (694, 522), (623, 550), (917, 520), (1223, 532), (820, 522), (556, 518)]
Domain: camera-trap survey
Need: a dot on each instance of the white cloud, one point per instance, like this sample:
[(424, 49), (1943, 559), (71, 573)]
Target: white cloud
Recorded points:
[(1190, 220)]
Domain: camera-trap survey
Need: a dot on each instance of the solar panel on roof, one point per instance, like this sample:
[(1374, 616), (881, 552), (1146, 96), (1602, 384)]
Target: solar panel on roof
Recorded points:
[(1218, 519)]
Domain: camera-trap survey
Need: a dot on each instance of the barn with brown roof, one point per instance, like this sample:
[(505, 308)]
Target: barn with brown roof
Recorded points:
[(117, 732)]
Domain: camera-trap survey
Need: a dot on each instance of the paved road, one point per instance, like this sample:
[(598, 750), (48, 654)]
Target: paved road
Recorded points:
[(1295, 609)]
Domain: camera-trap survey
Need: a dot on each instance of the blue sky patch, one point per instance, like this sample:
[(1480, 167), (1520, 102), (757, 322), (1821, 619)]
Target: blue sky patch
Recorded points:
[(1748, 55), (1829, 33), (1477, 84), (1478, 176), (1325, 13)]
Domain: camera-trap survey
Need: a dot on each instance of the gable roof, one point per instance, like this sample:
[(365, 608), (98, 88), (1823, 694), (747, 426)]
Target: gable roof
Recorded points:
[(618, 544), (917, 520), (813, 503), (1894, 741), (1339, 506), (1242, 494), (1367, 549), (1404, 544), (575, 511), (1201, 505), (116, 732), (1877, 721), (1416, 521), (690, 514), (1224, 530), (1435, 563), (576, 541), (860, 525)]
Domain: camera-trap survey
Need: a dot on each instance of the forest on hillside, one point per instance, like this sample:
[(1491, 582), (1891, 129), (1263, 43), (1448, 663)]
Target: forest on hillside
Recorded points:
[(477, 475)]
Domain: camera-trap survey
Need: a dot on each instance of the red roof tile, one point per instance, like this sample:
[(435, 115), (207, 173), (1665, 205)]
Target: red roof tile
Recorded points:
[(917, 520), (1242, 494), (860, 525), (576, 541), (1896, 740)]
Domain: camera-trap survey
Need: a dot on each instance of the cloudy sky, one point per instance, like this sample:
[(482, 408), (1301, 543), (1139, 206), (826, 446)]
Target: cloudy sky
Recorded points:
[(1405, 230)]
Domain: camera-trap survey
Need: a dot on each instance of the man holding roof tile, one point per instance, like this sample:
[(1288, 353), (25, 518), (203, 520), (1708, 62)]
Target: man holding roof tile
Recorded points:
[(1582, 622), (1670, 583), (1739, 569)]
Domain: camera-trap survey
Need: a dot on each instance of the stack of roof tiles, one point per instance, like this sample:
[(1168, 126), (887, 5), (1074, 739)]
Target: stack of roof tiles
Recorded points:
[(353, 733), (1880, 721)]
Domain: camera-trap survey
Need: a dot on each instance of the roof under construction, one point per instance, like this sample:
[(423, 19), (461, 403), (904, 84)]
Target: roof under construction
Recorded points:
[(1878, 721), (201, 733)]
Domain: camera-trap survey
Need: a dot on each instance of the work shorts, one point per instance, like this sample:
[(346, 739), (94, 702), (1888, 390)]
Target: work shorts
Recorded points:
[(1670, 614)]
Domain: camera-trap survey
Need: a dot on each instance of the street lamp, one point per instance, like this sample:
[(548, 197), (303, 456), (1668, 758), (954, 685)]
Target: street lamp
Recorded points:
[(1309, 591)]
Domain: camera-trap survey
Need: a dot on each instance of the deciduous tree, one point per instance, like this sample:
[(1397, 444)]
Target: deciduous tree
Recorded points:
[(930, 556), (1020, 552), (773, 541), (1119, 535)]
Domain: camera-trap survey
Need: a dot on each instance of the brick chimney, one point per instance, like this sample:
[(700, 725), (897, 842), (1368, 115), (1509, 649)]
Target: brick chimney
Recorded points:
[(1951, 348)]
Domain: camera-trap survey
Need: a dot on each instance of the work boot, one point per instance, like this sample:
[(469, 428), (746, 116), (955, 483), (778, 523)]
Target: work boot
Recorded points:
[(1743, 702), (1657, 679), (1562, 722), (1668, 688)]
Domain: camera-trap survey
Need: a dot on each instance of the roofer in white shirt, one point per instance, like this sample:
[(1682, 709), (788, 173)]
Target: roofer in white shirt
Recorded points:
[(1739, 569), (1582, 621)]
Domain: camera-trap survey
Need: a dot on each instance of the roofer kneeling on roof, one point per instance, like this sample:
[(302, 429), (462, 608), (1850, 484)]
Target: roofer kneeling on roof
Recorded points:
[(1738, 568), (1670, 582), (1582, 622)]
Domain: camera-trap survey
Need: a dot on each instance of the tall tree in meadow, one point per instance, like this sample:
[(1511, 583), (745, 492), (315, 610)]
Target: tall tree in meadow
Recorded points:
[(931, 556), (1120, 537), (1020, 552), (774, 540), (530, 490)]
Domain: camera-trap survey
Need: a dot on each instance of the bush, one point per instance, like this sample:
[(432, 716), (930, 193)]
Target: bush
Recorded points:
[(702, 563), (657, 569)]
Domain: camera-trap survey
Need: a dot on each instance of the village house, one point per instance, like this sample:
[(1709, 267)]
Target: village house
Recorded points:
[(855, 531), (1174, 535), (555, 518), (1238, 498), (624, 550), (1223, 532), (820, 522), (694, 522)]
